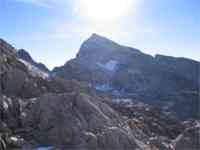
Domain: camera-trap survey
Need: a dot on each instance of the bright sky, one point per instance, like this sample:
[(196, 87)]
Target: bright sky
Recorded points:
[(53, 30)]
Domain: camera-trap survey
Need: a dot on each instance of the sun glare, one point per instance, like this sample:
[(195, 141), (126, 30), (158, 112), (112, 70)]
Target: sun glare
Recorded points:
[(104, 10)]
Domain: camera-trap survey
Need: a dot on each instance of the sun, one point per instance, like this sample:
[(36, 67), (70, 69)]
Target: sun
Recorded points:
[(104, 10)]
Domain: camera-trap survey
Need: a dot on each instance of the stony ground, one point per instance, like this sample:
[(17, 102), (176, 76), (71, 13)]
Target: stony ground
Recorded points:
[(48, 111)]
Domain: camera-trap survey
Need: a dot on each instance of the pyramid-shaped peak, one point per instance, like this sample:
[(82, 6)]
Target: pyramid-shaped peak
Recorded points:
[(94, 35), (98, 38), (97, 44)]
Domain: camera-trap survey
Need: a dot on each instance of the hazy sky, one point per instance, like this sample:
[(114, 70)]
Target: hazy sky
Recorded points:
[(53, 30)]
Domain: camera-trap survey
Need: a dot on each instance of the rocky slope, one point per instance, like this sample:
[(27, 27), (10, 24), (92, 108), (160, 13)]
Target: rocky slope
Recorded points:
[(24, 55), (123, 72), (54, 113), (36, 111)]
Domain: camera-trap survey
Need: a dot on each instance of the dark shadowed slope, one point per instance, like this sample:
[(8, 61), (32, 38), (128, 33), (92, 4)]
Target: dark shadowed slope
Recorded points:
[(167, 82)]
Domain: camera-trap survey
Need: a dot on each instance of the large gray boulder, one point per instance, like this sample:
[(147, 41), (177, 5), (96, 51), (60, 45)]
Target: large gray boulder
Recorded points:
[(76, 120), (10, 112), (189, 139)]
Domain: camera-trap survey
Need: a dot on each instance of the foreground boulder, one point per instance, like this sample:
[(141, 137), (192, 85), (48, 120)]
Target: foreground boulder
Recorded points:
[(76, 121), (10, 111), (190, 138)]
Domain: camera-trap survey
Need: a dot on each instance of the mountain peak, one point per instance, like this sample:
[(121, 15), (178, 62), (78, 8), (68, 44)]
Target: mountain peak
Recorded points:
[(99, 38), (96, 44), (95, 35), (102, 46), (24, 55)]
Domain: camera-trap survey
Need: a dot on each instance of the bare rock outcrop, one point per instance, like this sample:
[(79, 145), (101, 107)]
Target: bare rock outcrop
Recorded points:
[(83, 111), (190, 138), (76, 120)]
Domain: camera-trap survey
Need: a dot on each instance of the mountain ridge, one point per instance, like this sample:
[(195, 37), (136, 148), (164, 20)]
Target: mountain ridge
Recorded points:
[(23, 54), (127, 72), (156, 56), (77, 113)]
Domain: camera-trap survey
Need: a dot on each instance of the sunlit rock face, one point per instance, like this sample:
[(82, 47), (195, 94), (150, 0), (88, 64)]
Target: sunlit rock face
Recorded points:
[(24, 55), (77, 121), (167, 82), (15, 78)]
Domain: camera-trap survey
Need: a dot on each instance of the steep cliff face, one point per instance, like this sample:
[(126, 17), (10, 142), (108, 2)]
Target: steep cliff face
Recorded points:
[(167, 82)]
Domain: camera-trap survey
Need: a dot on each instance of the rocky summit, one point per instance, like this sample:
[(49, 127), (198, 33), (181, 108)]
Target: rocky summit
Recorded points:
[(109, 97)]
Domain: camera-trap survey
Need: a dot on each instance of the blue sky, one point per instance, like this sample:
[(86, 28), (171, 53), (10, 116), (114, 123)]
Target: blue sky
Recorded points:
[(53, 30)]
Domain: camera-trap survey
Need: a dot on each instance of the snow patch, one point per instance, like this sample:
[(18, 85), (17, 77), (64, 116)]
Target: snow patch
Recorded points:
[(110, 65), (35, 72), (128, 102), (125, 100), (103, 87), (197, 124), (45, 148), (23, 114), (89, 134), (14, 139), (5, 105), (113, 128), (117, 93)]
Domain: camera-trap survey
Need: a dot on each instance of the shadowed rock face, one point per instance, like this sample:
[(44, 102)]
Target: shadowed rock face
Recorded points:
[(167, 82)]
